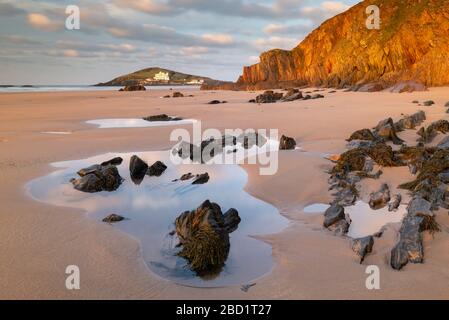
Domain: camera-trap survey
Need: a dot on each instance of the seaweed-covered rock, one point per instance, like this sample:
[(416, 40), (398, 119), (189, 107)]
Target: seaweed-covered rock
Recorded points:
[(204, 238), (380, 199), (161, 117), (292, 95), (157, 169), (363, 246), (429, 133), (177, 95), (287, 143), (269, 97), (333, 214), (103, 178), (386, 130), (363, 134), (136, 87), (340, 228), (113, 218)]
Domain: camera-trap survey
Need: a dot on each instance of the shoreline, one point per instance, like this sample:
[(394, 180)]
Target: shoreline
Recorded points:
[(31, 154)]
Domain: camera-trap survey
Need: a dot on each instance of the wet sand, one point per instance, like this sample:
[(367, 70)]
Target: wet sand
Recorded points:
[(39, 240)]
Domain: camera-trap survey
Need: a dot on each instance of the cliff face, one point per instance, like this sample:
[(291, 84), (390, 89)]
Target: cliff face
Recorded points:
[(411, 44)]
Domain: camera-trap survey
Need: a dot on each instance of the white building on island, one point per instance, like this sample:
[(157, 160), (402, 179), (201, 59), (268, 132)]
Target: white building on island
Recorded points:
[(161, 76)]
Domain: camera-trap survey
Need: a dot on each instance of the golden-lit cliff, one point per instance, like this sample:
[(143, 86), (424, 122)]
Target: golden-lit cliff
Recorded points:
[(411, 44)]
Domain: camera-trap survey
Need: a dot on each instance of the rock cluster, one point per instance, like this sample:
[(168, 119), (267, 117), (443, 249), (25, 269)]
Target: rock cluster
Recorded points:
[(429, 190), (99, 177), (136, 87)]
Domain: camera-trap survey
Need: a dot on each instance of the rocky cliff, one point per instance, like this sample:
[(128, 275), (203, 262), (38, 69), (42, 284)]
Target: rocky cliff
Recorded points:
[(411, 44)]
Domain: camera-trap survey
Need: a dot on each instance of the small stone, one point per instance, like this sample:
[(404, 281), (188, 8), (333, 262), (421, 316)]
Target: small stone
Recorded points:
[(113, 218)]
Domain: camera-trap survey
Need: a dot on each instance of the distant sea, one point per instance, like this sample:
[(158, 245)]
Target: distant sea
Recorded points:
[(62, 88)]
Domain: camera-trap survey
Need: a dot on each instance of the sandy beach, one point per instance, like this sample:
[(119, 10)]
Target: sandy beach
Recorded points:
[(39, 240)]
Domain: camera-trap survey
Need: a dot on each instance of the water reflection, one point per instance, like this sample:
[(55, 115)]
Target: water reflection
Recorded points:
[(152, 207)]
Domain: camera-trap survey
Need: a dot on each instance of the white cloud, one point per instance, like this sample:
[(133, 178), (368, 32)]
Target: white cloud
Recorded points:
[(222, 39), (42, 22), (194, 51)]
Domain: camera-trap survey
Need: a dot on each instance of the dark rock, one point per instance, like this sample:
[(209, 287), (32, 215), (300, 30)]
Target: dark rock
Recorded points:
[(138, 169), (380, 199), (157, 169), (105, 178), (161, 117), (429, 133), (214, 102), (356, 144), (419, 218), (231, 220), (204, 238), (363, 134), (395, 203), (92, 169), (137, 87), (202, 179), (386, 130), (251, 139), (428, 103), (363, 247), (444, 144), (177, 95), (410, 121), (287, 143), (269, 97), (252, 101), (113, 218), (317, 96), (334, 214), (114, 162), (447, 104), (340, 228), (292, 95)]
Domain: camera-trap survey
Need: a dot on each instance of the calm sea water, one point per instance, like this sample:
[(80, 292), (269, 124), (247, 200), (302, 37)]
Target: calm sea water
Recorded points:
[(61, 88)]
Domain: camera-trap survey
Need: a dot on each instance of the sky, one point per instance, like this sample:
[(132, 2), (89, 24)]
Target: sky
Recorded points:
[(213, 38)]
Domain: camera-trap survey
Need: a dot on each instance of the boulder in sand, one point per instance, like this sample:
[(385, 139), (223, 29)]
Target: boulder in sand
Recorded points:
[(363, 246), (269, 97), (113, 218), (161, 117), (333, 214), (287, 143), (204, 237)]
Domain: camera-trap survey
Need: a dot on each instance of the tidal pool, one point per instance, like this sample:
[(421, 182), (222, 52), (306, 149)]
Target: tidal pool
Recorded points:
[(136, 123), (364, 220), (152, 207)]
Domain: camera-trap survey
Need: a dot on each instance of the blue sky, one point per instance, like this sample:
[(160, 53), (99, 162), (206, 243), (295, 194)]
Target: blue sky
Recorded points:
[(203, 37)]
